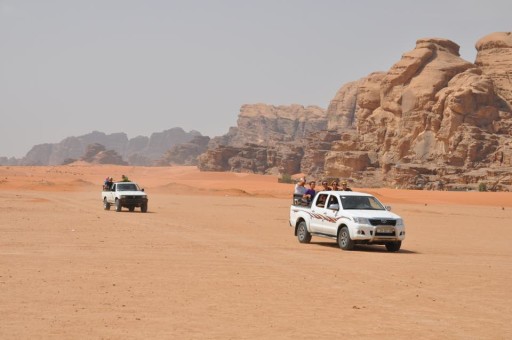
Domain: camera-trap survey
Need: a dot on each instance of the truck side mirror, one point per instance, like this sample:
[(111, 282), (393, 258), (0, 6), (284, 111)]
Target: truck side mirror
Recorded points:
[(142, 189), (388, 207), (334, 207)]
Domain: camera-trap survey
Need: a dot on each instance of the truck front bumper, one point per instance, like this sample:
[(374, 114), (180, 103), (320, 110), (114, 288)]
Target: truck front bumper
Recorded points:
[(378, 234)]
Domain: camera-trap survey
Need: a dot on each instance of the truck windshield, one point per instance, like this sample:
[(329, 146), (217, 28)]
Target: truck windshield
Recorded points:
[(361, 203), (127, 187)]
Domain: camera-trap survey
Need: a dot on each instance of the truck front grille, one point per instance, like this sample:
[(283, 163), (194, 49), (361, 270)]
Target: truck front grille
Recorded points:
[(392, 234), (134, 200), (132, 197), (382, 221)]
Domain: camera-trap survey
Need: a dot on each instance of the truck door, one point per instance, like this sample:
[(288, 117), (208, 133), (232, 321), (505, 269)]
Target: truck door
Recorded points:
[(317, 213), (331, 215), (111, 194)]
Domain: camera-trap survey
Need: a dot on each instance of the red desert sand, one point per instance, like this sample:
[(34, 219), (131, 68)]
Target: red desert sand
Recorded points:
[(215, 258)]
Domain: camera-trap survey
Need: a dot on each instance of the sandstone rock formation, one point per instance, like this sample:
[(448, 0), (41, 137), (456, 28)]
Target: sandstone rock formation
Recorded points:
[(97, 154), (494, 58), (268, 139), (266, 124), (434, 120), (185, 153), (432, 117)]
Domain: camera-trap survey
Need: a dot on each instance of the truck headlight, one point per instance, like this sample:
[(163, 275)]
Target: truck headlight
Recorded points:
[(361, 220), (144, 196), (399, 222), (123, 196)]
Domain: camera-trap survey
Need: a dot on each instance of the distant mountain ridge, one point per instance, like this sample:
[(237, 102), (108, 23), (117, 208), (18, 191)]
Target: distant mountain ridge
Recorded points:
[(139, 150)]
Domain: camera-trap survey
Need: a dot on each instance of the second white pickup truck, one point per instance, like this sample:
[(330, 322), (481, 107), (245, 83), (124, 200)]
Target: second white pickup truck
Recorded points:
[(125, 194), (348, 217)]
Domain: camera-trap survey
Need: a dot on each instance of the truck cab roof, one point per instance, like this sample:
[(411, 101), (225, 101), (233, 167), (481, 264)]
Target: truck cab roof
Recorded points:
[(126, 186), (344, 193)]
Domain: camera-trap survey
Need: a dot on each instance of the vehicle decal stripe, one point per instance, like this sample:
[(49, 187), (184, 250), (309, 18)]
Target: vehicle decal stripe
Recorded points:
[(323, 217)]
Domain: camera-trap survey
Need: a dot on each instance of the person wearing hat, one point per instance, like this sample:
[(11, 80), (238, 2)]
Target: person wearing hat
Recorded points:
[(344, 186)]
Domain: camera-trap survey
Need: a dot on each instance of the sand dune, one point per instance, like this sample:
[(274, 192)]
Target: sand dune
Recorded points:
[(215, 258)]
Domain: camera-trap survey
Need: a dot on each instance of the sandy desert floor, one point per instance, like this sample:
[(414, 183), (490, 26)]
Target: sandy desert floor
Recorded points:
[(215, 258)]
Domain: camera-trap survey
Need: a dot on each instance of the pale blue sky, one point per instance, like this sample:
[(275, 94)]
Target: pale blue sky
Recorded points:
[(70, 67)]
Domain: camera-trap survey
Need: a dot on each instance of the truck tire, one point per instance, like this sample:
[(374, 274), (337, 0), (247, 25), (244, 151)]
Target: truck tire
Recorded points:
[(393, 246), (118, 205), (144, 208), (131, 208), (344, 240), (106, 205), (302, 233)]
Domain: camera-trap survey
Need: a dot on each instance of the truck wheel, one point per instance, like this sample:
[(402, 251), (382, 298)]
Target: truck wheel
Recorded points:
[(131, 208), (302, 233), (393, 246), (144, 208), (118, 205), (106, 205), (344, 240)]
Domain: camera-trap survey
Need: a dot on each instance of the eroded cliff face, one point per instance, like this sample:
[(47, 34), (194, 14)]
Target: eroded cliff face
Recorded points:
[(494, 58), (185, 153), (434, 120), (267, 139), (431, 120)]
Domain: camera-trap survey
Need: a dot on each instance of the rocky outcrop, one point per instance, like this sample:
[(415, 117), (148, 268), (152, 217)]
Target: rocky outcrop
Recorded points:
[(354, 101), (97, 154), (138, 151), (109, 157), (494, 58), (160, 142), (434, 120), (41, 154), (6, 161), (185, 153), (91, 151), (253, 158), (315, 149), (268, 139), (262, 124), (435, 115)]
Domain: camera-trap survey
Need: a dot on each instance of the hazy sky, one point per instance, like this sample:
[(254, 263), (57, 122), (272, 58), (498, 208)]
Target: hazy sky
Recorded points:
[(69, 67)]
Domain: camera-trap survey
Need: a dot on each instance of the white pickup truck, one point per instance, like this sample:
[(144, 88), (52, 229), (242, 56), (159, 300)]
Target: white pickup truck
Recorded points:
[(125, 194), (348, 217)]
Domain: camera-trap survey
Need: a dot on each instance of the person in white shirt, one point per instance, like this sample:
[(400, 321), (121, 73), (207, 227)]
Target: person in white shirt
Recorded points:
[(300, 189)]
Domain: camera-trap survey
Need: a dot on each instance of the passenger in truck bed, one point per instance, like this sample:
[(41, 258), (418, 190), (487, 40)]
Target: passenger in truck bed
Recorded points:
[(344, 186), (310, 193), (107, 185)]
